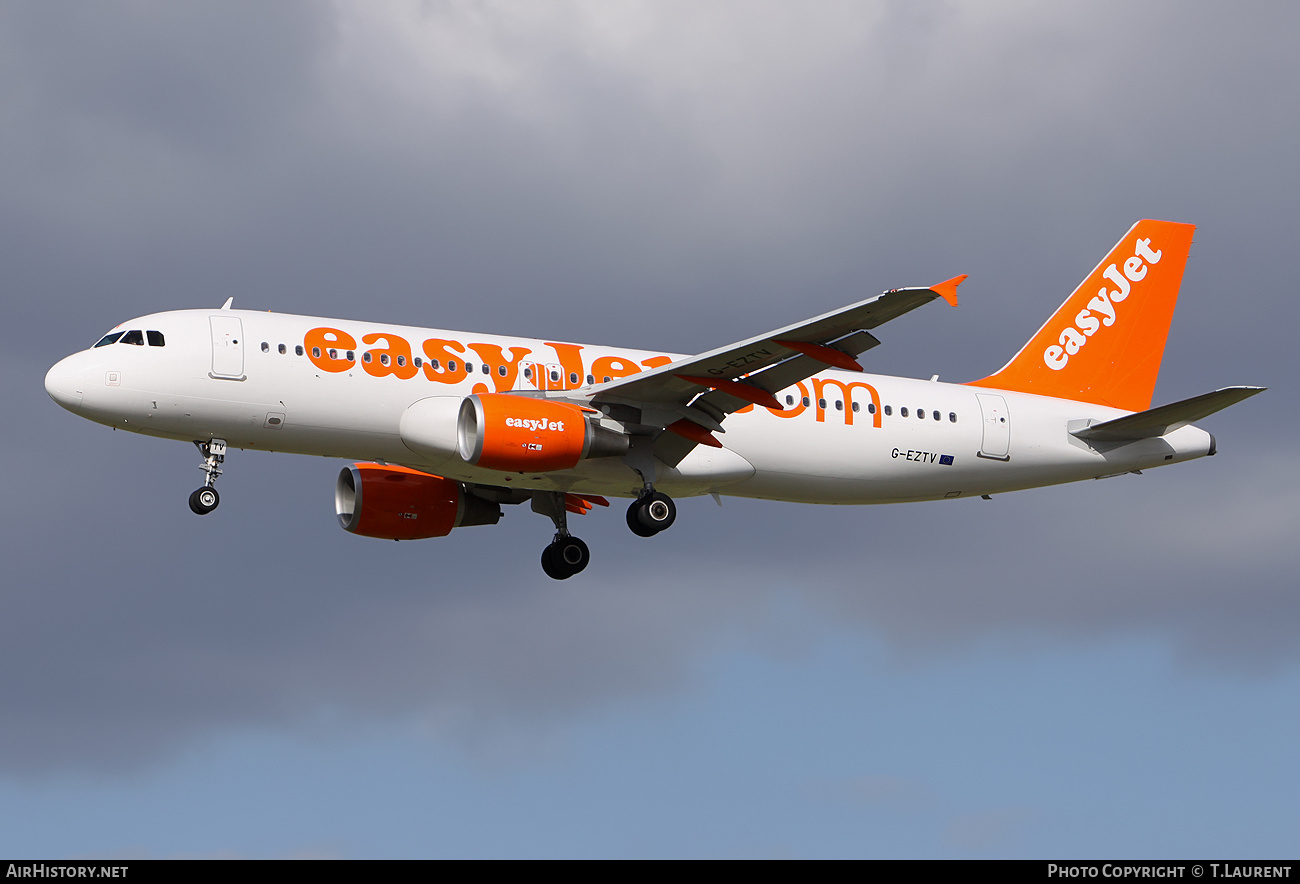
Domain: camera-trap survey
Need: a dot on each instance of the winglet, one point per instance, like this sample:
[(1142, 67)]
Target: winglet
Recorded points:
[(948, 288), (229, 301)]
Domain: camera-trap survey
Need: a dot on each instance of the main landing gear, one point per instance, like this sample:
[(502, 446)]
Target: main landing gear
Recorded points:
[(205, 499), (566, 555), (651, 513)]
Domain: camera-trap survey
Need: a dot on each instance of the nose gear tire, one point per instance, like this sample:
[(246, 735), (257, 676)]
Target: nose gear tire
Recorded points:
[(204, 500)]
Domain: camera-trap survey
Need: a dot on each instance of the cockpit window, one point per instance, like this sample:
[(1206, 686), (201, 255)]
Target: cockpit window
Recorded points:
[(155, 338), (134, 336), (109, 339)]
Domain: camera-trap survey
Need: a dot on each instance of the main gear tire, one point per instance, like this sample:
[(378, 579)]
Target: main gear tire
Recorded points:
[(655, 512)]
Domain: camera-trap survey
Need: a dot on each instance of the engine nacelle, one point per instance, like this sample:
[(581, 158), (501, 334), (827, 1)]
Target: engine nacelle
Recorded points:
[(498, 431), (397, 503)]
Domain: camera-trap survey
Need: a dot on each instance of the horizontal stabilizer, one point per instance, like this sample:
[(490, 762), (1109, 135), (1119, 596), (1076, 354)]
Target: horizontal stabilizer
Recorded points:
[(1156, 422)]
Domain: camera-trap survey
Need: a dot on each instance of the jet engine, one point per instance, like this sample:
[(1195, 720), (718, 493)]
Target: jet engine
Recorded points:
[(396, 503), (498, 431)]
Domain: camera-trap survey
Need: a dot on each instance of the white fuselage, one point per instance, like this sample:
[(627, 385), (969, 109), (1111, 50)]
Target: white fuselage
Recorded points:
[(238, 375)]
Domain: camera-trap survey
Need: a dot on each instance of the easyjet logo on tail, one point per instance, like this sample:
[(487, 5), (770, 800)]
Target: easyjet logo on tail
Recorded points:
[(1101, 310), (1111, 330)]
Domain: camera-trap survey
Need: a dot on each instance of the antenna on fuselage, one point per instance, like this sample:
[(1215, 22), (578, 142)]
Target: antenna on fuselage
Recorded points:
[(229, 301)]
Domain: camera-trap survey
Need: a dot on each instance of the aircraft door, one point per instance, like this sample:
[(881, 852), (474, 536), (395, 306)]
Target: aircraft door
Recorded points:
[(227, 347), (997, 427), (530, 376), (540, 376)]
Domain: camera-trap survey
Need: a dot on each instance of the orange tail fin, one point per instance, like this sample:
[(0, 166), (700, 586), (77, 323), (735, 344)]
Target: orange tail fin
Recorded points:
[(1105, 342)]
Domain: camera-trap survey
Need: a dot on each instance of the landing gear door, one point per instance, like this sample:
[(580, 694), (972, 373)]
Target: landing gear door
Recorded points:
[(997, 427), (227, 347)]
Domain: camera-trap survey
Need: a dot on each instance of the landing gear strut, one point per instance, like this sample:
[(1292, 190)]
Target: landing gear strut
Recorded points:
[(205, 499), (653, 511), (566, 555)]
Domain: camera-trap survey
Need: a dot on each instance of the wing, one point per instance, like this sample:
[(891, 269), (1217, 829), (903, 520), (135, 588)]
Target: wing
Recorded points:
[(691, 397)]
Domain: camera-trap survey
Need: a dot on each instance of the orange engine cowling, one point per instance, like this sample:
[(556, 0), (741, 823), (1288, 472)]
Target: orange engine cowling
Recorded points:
[(499, 431), (397, 503)]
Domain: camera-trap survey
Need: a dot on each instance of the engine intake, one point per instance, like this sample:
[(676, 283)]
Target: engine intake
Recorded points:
[(397, 503)]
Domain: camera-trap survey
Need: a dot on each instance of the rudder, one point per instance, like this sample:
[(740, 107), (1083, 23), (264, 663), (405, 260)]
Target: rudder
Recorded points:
[(1105, 343)]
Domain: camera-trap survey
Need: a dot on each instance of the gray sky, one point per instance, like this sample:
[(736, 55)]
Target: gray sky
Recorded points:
[(661, 175)]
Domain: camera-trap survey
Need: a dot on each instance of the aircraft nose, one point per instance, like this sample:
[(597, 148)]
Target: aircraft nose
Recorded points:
[(65, 383)]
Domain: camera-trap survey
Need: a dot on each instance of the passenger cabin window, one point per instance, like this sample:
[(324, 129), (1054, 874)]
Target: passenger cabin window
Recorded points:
[(266, 348), (952, 416), (298, 350), (109, 339), (155, 338), (134, 336), (315, 352), (938, 416), (902, 411), (282, 349), (889, 410), (856, 408)]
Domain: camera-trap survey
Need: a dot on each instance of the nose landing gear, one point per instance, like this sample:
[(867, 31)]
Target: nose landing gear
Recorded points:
[(205, 499)]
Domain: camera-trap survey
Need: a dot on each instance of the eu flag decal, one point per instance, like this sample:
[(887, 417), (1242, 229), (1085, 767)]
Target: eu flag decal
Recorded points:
[(945, 460)]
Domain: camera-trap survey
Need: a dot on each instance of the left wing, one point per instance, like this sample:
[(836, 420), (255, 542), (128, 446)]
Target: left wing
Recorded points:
[(692, 396)]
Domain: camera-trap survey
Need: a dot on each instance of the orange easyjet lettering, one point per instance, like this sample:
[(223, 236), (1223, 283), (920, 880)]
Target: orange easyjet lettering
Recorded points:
[(323, 345), (819, 385), (396, 360)]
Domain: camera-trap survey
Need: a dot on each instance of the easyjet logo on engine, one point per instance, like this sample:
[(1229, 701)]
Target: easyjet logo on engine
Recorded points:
[(1101, 310), (529, 424)]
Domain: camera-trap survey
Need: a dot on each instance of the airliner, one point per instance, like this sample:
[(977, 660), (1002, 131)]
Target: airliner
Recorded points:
[(446, 428)]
